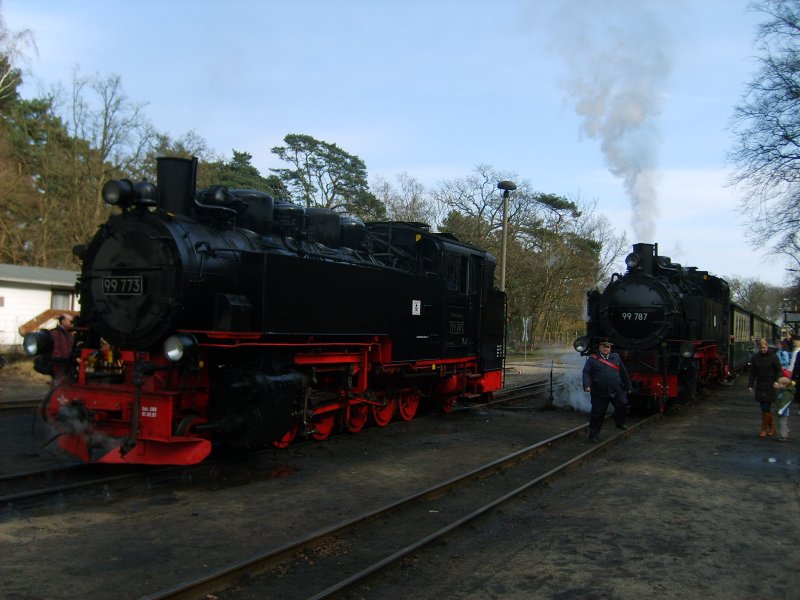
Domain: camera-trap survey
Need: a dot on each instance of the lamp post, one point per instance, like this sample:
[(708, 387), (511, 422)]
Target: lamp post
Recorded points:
[(507, 187)]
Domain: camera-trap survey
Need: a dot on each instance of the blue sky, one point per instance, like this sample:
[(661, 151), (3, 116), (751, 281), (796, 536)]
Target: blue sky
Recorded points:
[(434, 88)]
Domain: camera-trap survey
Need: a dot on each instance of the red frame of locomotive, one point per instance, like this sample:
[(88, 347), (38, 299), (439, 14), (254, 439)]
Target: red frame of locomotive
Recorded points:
[(713, 367), (169, 409)]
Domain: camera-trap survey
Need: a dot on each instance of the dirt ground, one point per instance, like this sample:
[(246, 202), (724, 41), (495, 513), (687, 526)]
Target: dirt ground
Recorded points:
[(695, 506), (18, 380)]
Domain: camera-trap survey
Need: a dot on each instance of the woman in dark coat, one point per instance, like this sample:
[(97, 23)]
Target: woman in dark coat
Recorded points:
[(765, 370)]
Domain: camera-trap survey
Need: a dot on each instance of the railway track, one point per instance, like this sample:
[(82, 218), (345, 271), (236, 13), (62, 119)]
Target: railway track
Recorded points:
[(533, 389), (36, 485), (333, 560), (24, 487), (17, 405)]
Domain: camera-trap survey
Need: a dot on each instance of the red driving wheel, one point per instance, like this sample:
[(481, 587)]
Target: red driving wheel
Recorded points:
[(383, 414)]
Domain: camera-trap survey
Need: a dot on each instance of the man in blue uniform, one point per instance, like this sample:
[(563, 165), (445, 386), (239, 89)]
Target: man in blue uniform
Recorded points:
[(605, 377)]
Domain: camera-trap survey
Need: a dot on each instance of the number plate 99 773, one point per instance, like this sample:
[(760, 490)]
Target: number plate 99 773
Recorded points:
[(123, 286)]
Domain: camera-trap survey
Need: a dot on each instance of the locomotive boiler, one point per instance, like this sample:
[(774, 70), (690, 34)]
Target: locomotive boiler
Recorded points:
[(226, 316), (669, 323)]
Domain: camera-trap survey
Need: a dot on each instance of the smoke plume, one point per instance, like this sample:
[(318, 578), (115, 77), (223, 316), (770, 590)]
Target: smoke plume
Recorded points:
[(617, 58)]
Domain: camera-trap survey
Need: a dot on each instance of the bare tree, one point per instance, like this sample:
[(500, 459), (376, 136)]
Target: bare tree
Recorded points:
[(15, 47), (67, 146), (108, 137), (557, 248), (760, 297), (473, 206), (410, 201), (111, 136), (767, 127), (610, 246)]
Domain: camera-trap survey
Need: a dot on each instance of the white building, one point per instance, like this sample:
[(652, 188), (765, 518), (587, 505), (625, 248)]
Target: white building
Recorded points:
[(29, 292)]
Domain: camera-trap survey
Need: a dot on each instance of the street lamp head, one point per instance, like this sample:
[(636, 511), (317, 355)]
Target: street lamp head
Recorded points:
[(506, 186)]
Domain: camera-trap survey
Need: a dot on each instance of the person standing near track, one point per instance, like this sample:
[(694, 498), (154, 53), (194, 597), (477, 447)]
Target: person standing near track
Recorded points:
[(606, 379), (783, 400), (765, 370), (56, 363), (63, 342)]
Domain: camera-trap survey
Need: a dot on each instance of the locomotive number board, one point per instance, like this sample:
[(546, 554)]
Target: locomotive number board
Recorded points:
[(637, 315), (632, 320), (130, 285)]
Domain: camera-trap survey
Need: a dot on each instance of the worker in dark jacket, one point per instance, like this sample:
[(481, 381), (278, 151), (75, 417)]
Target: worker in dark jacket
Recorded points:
[(765, 370), (63, 343), (606, 379)]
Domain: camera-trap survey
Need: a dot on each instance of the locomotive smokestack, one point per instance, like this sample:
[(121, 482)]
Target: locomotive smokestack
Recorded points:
[(177, 179)]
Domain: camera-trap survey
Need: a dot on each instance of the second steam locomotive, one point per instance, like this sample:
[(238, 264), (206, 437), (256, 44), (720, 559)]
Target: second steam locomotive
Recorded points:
[(675, 327), (224, 315)]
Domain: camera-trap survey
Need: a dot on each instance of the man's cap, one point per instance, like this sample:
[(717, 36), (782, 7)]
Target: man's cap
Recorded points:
[(605, 340)]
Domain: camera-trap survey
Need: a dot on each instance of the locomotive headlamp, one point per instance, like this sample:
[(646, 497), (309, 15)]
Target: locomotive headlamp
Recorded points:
[(581, 344), (176, 346), (118, 192), (145, 194), (686, 350), (121, 192), (37, 342), (633, 260)]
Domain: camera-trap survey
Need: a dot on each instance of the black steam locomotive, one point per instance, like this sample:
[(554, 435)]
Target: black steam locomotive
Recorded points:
[(224, 315), (675, 327)]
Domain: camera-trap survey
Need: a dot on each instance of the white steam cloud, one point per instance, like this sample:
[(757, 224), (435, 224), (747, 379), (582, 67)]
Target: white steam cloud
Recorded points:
[(617, 54), (571, 394)]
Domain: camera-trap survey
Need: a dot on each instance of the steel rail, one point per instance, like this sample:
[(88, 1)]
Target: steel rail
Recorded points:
[(252, 566), (20, 404), (43, 473), (454, 525), (83, 469), (513, 394)]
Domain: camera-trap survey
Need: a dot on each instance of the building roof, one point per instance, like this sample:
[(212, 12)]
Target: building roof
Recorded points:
[(37, 276)]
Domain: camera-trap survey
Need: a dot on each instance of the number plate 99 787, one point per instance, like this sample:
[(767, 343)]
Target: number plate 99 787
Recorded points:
[(123, 286)]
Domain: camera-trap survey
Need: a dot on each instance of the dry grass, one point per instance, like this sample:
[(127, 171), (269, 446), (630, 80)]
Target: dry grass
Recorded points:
[(22, 369)]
